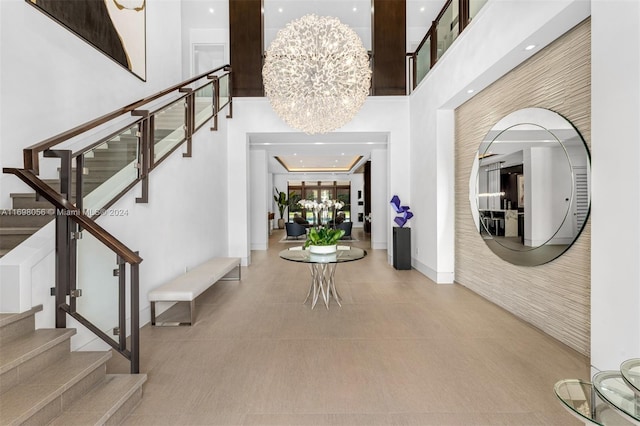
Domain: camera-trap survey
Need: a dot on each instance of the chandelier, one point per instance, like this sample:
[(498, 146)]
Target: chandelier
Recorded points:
[(316, 74)]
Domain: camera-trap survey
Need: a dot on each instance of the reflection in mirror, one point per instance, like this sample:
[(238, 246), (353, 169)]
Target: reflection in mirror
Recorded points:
[(529, 186)]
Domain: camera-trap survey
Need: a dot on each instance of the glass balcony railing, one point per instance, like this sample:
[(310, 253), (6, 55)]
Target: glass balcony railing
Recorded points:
[(447, 29), (474, 7), (452, 20), (423, 59), (224, 90)]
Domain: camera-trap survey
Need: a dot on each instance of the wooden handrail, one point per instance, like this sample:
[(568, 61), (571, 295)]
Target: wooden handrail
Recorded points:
[(30, 154), (75, 214)]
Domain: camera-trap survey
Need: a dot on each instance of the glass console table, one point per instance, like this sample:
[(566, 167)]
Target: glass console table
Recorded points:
[(630, 370), (611, 388), (323, 268), (581, 401)]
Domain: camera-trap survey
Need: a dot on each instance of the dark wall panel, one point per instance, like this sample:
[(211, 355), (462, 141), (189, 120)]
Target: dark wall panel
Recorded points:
[(245, 38), (389, 47)]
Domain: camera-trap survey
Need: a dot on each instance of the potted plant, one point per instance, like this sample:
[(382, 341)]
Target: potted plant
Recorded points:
[(283, 202), (323, 240)]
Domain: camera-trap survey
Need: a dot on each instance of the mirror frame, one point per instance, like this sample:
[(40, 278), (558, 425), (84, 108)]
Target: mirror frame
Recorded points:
[(545, 252)]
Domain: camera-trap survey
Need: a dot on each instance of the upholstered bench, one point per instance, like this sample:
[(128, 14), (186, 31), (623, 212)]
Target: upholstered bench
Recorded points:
[(190, 285)]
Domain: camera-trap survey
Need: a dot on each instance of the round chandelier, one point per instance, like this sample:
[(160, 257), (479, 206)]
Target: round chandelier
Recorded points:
[(316, 74)]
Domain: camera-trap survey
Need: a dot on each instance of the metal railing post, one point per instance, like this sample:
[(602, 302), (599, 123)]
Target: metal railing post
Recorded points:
[(135, 318), (144, 153), (189, 117), (65, 245)]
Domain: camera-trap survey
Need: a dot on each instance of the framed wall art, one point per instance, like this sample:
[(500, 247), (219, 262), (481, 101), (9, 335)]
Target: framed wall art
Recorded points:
[(117, 28)]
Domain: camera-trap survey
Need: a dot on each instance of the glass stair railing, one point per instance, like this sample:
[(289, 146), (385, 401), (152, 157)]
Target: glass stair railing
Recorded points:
[(612, 399)]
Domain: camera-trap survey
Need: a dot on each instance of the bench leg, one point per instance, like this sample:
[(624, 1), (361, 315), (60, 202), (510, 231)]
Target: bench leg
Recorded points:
[(192, 316), (238, 278)]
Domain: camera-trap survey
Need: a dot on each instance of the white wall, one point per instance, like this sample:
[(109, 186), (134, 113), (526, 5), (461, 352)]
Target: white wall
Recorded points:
[(615, 208), (490, 46), (202, 26), (259, 193), (51, 80), (255, 115)]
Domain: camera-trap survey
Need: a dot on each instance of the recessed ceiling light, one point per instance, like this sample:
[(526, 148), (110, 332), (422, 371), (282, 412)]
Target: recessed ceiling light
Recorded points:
[(470, 91), (280, 9), (355, 9), (211, 10), (422, 9), (530, 47)]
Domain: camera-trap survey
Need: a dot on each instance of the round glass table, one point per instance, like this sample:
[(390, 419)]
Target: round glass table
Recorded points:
[(323, 268), (630, 370)]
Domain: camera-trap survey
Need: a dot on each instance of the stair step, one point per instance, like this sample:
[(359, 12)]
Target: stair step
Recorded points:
[(20, 349), (13, 325), (11, 237), (45, 395), (109, 401)]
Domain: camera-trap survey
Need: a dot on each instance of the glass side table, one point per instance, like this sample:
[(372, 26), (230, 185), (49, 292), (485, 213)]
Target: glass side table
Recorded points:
[(610, 386), (630, 370), (578, 398), (323, 267), (583, 403)]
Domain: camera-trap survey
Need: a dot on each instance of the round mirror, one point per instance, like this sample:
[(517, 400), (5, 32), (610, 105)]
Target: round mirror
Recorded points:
[(530, 186)]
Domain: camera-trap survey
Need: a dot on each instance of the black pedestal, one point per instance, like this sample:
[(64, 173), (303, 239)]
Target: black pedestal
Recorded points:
[(402, 248)]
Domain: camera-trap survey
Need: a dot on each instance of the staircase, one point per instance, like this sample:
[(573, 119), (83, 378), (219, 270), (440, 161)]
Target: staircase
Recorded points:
[(28, 214), (42, 382)]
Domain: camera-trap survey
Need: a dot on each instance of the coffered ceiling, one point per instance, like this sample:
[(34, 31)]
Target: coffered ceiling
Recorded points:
[(336, 152)]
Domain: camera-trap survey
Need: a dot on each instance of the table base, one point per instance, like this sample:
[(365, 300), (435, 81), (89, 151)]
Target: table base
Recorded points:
[(322, 284)]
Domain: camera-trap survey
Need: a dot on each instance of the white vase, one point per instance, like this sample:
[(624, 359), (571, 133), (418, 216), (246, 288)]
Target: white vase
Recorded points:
[(323, 249)]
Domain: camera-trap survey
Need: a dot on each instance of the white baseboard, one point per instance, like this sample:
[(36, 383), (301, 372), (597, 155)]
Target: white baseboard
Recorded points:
[(437, 277)]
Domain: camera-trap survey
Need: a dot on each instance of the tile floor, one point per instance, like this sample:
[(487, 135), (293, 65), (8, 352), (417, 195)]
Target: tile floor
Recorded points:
[(400, 351)]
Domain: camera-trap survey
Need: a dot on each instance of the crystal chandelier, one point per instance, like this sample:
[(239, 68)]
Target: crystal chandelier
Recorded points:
[(316, 74)]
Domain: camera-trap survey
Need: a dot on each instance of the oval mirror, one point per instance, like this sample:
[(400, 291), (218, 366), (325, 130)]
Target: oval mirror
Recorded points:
[(530, 186)]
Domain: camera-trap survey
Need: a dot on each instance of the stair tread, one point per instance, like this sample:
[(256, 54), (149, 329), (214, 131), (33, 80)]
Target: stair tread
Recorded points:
[(26, 399), (8, 318), (27, 346), (17, 230), (101, 402)]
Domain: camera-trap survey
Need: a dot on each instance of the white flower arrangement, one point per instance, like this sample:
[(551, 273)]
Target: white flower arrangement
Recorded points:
[(324, 205), (318, 208)]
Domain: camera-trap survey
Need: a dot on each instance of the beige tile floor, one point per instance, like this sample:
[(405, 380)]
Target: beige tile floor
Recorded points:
[(401, 351)]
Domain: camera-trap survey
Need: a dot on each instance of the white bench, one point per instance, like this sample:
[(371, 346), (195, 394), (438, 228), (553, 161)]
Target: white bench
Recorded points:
[(187, 287)]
